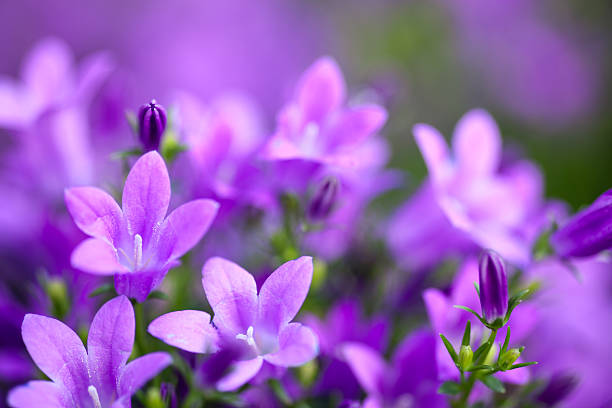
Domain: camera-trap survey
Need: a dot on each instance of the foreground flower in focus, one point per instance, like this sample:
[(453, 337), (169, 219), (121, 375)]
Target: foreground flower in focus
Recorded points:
[(259, 324), (588, 232), (136, 245), (98, 377)]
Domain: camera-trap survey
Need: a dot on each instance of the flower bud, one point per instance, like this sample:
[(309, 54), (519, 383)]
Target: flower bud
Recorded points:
[(151, 125), (509, 357), (324, 199), (493, 286), (588, 232), (465, 357)]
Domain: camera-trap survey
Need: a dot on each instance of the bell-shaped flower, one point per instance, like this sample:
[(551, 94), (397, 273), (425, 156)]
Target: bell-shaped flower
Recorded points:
[(136, 244), (151, 125), (96, 378), (260, 324), (493, 282)]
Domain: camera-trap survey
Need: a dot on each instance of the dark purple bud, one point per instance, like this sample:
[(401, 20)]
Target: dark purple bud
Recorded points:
[(588, 232), (151, 125), (324, 198), (558, 388), (493, 286)]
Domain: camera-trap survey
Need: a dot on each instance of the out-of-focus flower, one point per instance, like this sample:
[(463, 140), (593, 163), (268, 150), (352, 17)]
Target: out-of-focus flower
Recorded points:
[(137, 244), (324, 198), (260, 324), (151, 125), (483, 204), (588, 232), (98, 377), (344, 323), (316, 125), (410, 379), (493, 283)]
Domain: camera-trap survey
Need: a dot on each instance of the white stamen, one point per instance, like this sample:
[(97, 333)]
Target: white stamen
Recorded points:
[(137, 251), (248, 337), (93, 393)]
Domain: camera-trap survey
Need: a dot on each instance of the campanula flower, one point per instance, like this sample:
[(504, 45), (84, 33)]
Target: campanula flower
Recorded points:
[(410, 379), (137, 244), (588, 232), (259, 323), (151, 125), (94, 378), (493, 283)]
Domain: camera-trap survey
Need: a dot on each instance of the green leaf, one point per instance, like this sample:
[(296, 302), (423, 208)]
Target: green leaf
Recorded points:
[(466, 334), (449, 388), (449, 348), (106, 288), (477, 286), (158, 294), (519, 365), (493, 383), (480, 350), (124, 154), (467, 309), (506, 341)]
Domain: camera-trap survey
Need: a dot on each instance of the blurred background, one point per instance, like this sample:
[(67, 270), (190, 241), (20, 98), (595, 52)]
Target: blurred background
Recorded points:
[(542, 68)]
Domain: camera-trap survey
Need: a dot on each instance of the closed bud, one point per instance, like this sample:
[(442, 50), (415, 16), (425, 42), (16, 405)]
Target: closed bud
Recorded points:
[(151, 125), (588, 232), (465, 357), (493, 282), (509, 357), (324, 198)]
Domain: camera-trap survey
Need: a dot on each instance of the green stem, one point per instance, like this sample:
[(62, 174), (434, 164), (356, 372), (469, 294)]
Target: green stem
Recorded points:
[(141, 339), (467, 386)]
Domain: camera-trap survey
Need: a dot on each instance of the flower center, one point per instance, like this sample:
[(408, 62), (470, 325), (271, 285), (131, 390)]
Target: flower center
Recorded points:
[(135, 261), (309, 138), (93, 393), (248, 337)]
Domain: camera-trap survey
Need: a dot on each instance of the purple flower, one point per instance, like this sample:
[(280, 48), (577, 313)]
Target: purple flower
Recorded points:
[(136, 244), (493, 283), (588, 232), (409, 380), (324, 199), (260, 324), (317, 126), (98, 377), (485, 204), (151, 125)]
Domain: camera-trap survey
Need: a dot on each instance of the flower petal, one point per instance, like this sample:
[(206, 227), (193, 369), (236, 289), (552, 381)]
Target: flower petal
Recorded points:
[(96, 256), (232, 294), (58, 352), (297, 345), (139, 371), (185, 226), (434, 150), (321, 90), (284, 292), (367, 365), (110, 342), (138, 285), (356, 124), (146, 195), (188, 330), (95, 212), (477, 143), (36, 394), (241, 373)]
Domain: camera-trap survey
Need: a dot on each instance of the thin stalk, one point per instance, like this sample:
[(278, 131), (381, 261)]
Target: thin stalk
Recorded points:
[(467, 386), (141, 335)]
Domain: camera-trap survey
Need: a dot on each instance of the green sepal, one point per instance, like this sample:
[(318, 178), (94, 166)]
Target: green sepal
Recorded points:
[(519, 365), (477, 287), (506, 341), (103, 289), (480, 367), (467, 309), (493, 383), (466, 334), (449, 388), (158, 294), (450, 349), (125, 154)]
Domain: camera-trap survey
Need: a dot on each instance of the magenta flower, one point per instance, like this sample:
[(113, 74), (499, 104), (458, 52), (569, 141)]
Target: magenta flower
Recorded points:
[(409, 380), (259, 324), (317, 126), (136, 244), (96, 378)]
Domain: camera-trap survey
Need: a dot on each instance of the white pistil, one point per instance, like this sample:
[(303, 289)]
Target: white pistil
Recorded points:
[(93, 393), (248, 337), (137, 251)]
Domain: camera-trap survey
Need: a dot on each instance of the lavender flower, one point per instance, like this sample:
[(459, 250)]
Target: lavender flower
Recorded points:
[(410, 379), (98, 377), (588, 232), (260, 324), (136, 245), (324, 198), (151, 125), (493, 281)]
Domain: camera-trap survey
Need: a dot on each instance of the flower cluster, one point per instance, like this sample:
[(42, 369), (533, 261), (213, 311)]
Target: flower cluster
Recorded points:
[(475, 291)]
